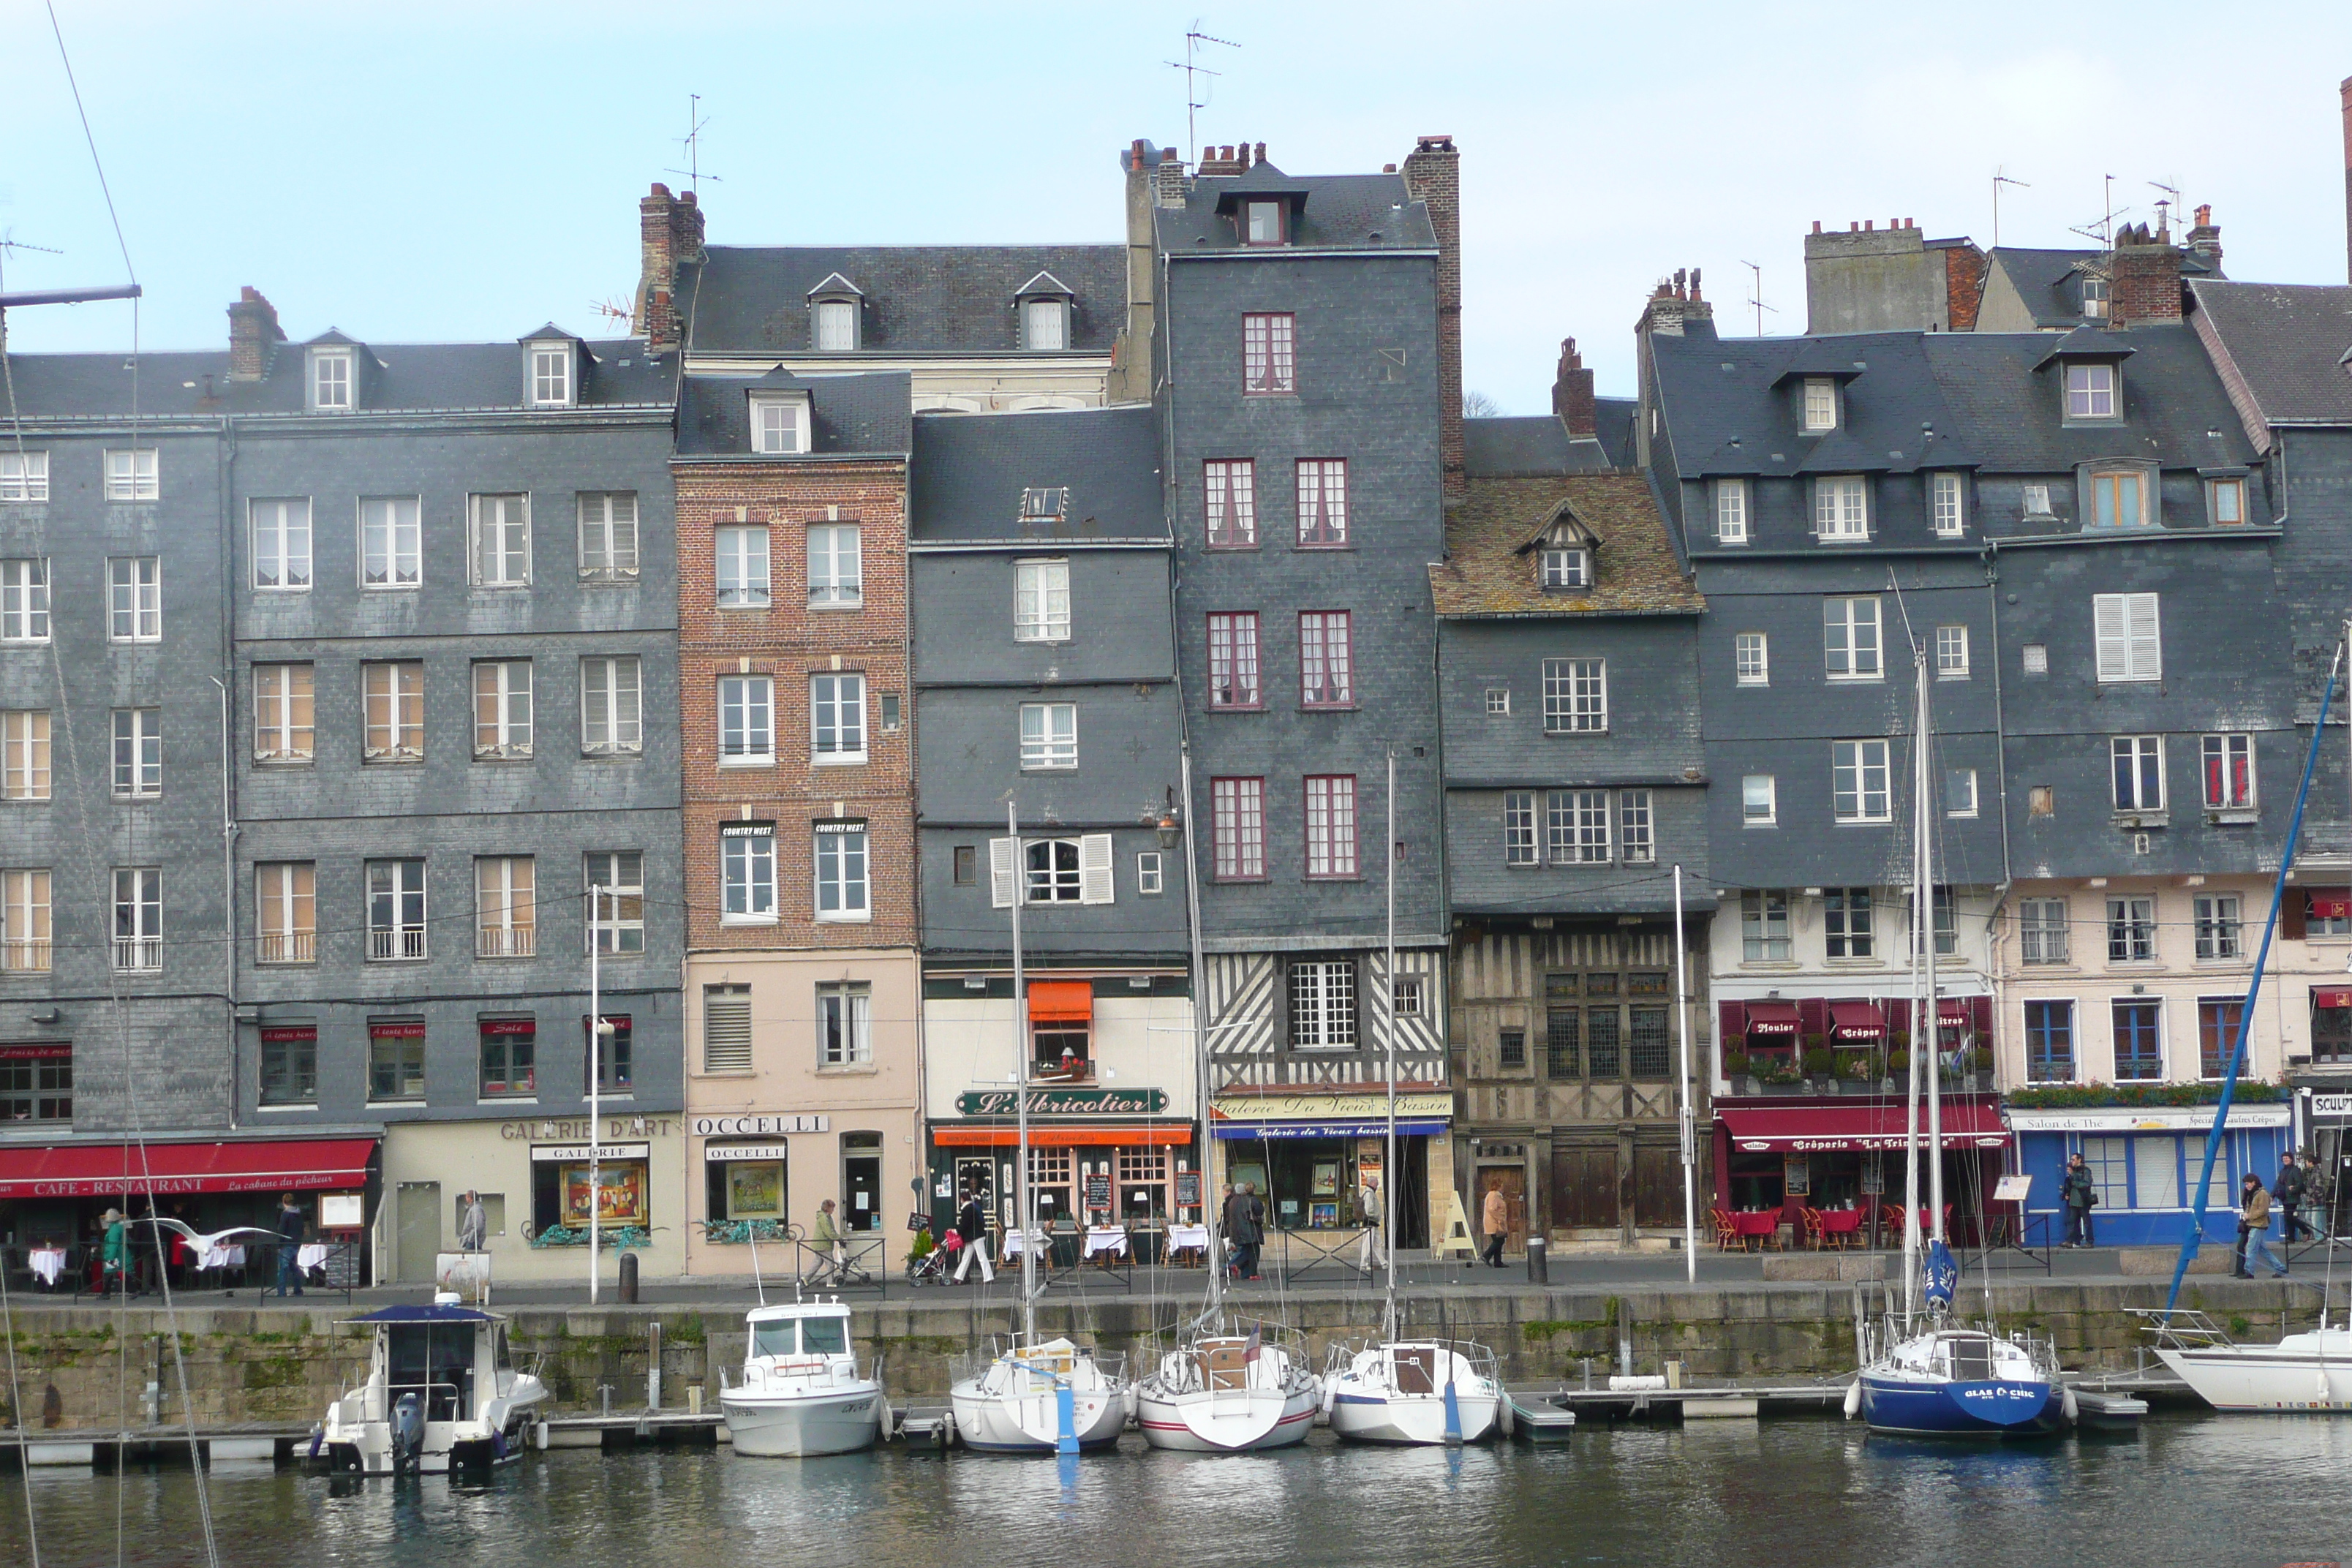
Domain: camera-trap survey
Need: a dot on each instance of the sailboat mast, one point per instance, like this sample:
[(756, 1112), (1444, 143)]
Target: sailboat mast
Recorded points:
[(1911, 1077), (1388, 1024), (1022, 1185), (1929, 1019), (1200, 1033)]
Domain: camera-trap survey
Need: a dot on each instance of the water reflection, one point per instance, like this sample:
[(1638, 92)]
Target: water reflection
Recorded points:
[(2187, 1491)]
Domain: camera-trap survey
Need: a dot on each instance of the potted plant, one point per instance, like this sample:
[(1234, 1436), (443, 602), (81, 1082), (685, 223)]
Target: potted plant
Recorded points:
[(1854, 1068), (1735, 1065), (1777, 1074)]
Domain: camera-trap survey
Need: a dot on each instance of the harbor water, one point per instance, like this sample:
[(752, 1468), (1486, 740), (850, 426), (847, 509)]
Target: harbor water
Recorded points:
[(2185, 1489)]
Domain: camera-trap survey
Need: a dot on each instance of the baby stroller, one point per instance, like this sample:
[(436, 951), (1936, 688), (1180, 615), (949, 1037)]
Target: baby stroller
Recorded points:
[(932, 1266)]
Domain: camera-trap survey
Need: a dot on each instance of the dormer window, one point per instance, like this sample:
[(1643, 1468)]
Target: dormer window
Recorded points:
[(1821, 402), (836, 326), (779, 425), (1048, 503), (1044, 325), (2091, 392), (2094, 299), (1567, 566), (330, 380), (550, 375), (1262, 222)]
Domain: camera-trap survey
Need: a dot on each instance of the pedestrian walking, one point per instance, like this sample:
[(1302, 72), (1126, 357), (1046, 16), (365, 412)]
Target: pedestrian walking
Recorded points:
[(473, 1224), (2292, 1192), (113, 1250), (826, 1237), (1496, 1220), (291, 1227), (1368, 1212), (2319, 1194), (1245, 1227), (2254, 1230), (2080, 1195), (971, 1230)]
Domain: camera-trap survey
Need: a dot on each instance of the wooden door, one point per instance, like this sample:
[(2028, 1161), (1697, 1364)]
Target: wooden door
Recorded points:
[(1512, 1182), (418, 1231), (1584, 1188), (1657, 1187)]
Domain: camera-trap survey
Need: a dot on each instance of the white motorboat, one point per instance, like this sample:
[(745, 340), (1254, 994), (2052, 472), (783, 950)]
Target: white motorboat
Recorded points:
[(1012, 1403), (801, 1392), (2305, 1371), (1225, 1393), (1413, 1391), (441, 1393)]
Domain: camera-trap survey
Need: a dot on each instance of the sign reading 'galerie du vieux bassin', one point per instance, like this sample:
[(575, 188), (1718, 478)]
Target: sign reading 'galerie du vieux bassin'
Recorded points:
[(1064, 1102)]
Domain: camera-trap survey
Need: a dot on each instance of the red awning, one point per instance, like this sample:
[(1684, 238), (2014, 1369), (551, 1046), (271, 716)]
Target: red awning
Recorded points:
[(103, 1170), (2331, 995), (1061, 1001), (1797, 1128), (1856, 1021), (1774, 1020), (1059, 1137)]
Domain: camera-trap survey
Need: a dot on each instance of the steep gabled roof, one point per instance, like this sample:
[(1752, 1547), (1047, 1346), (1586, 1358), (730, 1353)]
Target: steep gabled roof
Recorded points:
[(2286, 344), (918, 300), (1486, 572), (969, 470)]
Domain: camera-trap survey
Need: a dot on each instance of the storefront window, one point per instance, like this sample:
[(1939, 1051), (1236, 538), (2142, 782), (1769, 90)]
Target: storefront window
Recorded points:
[(1313, 1182), (1050, 1182), (2108, 1161), (745, 1189), (1143, 1183), (620, 1186), (2331, 1026)]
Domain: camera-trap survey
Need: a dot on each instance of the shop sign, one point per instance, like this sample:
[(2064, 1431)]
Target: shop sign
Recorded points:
[(280, 1034), (36, 1053), (2338, 1106), (717, 1153), (2142, 1118), (1330, 1107), (756, 1126), (1064, 1102), (2332, 997), (601, 1151), (576, 1128)]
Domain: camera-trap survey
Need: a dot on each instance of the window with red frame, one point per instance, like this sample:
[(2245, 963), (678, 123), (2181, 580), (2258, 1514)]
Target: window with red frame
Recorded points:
[(1232, 661), (1326, 665), (1230, 485), (1269, 364), (2229, 772), (1331, 824), (1322, 502), (1237, 828)]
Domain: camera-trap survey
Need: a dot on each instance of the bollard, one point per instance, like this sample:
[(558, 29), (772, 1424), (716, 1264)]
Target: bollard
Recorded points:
[(653, 1365), (1537, 1260), (629, 1278)]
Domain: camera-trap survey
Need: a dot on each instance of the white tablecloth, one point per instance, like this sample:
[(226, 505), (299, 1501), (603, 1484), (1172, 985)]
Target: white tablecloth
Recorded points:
[(48, 1262), (1106, 1238), (1186, 1236), (227, 1255), (312, 1254), (1013, 1241)]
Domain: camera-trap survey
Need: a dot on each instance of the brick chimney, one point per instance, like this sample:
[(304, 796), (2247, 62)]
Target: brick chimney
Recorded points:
[(2205, 238), (1674, 304), (1224, 160), (670, 234), (1432, 176), (253, 333), (1964, 276), (2144, 278), (1168, 180), (1571, 394)]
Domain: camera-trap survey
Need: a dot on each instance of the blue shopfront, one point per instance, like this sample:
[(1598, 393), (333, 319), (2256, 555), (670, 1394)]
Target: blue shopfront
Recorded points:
[(2145, 1162), (1311, 1154)]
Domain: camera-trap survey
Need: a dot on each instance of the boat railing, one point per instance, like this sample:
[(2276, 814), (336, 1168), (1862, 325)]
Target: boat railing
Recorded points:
[(2182, 1327)]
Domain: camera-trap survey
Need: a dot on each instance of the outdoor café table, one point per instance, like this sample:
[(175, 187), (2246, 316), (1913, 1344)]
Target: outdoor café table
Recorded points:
[(1189, 1239), (222, 1256), (1841, 1222), (47, 1263), (1107, 1239), (1760, 1223), (1012, 1242), (313, 1254)]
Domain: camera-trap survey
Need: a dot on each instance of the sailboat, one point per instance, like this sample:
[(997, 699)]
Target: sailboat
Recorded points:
[(1221, 1392), (1034, 1396), (1399, 1390), (1930, 1377), (2309, 1371)]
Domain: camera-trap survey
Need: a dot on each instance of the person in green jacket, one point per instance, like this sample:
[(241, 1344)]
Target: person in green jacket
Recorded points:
[(114, 1252)]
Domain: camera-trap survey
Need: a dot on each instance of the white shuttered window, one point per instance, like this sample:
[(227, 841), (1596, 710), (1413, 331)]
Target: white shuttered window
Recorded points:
[(2130, 645)]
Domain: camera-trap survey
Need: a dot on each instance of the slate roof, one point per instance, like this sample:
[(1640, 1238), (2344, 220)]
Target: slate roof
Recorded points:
[(1485, 572), (2287, 343), (398, 377), (2039, 278), (1938, 400), (935, 301), (848, 414), (969, 469), (1537, 444), (1342, 212)]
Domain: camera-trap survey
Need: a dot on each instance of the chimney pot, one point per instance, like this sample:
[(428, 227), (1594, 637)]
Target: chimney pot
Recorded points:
[(1853, 227), (253, 332), (1261, 152), (1817, 226), (1869, 225), (1388, 168)]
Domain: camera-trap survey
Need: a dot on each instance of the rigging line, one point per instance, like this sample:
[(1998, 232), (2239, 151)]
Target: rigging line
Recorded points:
[(98, 164)]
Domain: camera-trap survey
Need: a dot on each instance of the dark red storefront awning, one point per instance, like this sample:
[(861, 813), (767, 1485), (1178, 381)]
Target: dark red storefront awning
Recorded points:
[(260, 1165), (1799, 1129), (1773, 1022), (1857, 1022)]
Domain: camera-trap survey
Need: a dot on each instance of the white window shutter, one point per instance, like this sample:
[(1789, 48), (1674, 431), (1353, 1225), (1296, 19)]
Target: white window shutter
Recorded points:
[(1094, 868), (2146, 653), (1001, 873), (2107, 625)]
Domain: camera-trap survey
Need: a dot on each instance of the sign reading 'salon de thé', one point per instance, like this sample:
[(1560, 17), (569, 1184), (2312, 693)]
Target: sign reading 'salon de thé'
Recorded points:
[(1064, 1102)]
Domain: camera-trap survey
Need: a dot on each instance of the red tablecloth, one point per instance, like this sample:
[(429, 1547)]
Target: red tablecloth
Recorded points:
[(1762, 1223), (1841, 1222)]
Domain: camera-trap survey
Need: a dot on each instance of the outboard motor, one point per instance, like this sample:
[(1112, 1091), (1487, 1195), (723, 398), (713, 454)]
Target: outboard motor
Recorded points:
[(407, 1432)]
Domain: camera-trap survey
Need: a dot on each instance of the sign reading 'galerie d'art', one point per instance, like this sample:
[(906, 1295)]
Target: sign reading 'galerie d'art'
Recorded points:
[(1065, 1102)]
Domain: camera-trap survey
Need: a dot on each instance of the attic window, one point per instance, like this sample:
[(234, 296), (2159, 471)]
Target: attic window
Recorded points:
[(779, 426), (1566, 566), (550, 375), (1262, 223), (2089, 392), (836, 326), (1048, 504), (1044, 325), (2095, 298), (330, 380), (1821, 402)]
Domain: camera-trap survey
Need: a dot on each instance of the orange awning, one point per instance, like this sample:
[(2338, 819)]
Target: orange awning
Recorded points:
[(1056, 1137), (1059, 1001)]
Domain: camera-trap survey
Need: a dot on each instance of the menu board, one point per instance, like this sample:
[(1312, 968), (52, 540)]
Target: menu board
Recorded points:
[(1098, 1190), (1188, 1189)]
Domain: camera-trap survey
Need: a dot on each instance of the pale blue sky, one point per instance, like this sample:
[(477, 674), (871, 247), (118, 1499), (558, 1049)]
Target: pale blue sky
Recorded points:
[(433, 170)]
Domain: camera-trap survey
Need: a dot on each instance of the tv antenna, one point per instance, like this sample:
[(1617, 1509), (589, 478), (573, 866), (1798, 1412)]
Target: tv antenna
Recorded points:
[(2168, 205), (8, 242), (692, 141), (1998, 180), (2105, 232), (1192, 69), (616, 312), (1757, 297)]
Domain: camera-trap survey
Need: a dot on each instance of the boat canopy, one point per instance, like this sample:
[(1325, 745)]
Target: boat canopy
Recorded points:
[(425, 1315)]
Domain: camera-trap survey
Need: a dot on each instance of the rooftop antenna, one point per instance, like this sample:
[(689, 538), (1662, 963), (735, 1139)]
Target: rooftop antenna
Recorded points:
[(1757, 297), (692, 141), (1192, 68), (2105, 232), (615, 311), (1998, 180), (2169, 205)]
